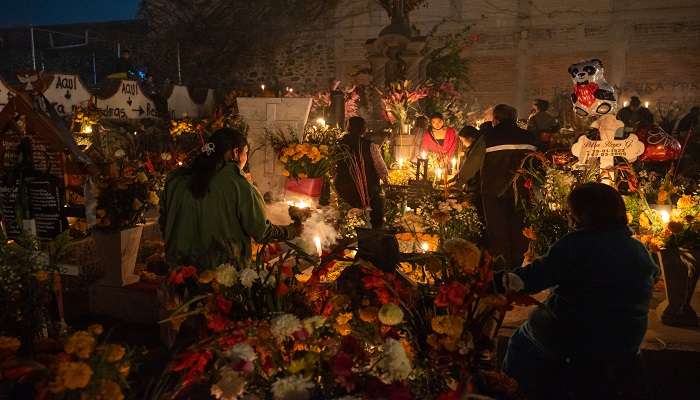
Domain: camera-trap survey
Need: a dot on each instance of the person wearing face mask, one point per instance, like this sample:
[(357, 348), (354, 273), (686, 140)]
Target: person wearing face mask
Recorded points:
[(210, 211)]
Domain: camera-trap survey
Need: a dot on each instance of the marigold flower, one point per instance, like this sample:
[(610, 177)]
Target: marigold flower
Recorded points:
[(81, 344), (114, 352), (530, 233), (95, 329), (206, 277), (74, 375), (390, 314)]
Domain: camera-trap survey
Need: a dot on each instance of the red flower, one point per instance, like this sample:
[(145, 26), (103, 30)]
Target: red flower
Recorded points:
[(451, 294), (223, 304), (341, 365), (282, 289), (195, 363), (178, 277), (372, 282), (217, 322), (528, 184)]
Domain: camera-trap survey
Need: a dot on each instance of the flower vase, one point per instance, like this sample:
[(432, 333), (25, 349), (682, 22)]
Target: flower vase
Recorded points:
[(308, 186), (119, 251), (680, 273)]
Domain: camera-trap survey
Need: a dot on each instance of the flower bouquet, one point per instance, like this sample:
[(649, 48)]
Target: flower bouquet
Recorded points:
[(399, 100), (80, 368)]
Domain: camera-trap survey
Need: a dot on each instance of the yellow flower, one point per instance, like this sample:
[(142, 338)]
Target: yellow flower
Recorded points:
[(9, 345), (390, 314), (466, 255), (323, 148), (81, 344), (685, 201), (343, 318), (114, 352), (109, 390), (206, 277), (284, 159), (41, 276), (285, 173), (343, 330), (303, 175), (368, 314), (95, 329), (74, 375), (630, 217), (153, 198), (448, 325), (644, 222), (141, 177), (124, 369), (662, 197)]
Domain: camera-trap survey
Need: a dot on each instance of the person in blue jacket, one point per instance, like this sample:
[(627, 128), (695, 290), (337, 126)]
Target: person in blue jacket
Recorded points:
[(595, 318)]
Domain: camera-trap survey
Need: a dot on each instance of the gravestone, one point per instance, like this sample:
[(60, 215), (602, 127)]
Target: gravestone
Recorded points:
[(271, 114), (607, 148)]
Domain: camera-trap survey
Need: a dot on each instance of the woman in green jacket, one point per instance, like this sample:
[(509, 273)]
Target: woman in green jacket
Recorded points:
[(210, 211)]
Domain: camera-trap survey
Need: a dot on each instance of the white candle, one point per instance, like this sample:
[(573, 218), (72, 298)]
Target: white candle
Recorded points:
[(321, 122), (665, 216), (262, 87), (438, 173), (317, 242), (423, 155), (454, 164), (646, 104), (401, 161), (625, 104)]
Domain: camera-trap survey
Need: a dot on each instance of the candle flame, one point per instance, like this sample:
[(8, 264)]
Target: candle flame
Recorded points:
[(646, 104), (321, 122), (317, 242), (665, 216), (401, 161), (438, 172), (423, 155), (262, 87), (425, 247)]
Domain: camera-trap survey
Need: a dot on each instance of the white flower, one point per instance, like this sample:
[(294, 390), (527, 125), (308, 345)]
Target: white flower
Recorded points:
[(226, 275), (284, 326), (394, 364), (242, 351), (166, 156), (230, 386), (119, 153), (248, 276), (313, 323), (293, 387)]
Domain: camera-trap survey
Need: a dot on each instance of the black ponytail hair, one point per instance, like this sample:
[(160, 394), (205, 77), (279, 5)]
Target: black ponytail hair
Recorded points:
[(207, 164)]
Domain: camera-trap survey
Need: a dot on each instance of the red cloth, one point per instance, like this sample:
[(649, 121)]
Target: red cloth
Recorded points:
[(448, 147), (585, 94)]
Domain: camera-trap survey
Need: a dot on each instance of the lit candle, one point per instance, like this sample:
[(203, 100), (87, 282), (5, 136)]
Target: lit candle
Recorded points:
[(321, 122), (291, 90), (665, 216), (423, 155), (454, 164), (86, 129), (317, 242), (626, 103), (401, 161), (262, 87), (438, 173), (179, 163), (646, 104), (425, 247)]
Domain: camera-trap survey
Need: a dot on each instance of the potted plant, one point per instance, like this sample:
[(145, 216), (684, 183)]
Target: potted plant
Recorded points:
[(121, 204), (305, 166)]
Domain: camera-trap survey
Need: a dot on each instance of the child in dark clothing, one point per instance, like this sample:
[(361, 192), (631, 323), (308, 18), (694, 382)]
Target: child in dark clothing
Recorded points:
[(596, 315)]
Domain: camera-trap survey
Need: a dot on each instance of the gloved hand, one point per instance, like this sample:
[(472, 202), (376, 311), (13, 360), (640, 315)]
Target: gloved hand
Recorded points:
[(512, 282)]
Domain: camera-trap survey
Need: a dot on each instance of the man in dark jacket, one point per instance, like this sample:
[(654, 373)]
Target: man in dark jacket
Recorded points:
[(505, 145), (541, 124), (357, 179), (635, 115)]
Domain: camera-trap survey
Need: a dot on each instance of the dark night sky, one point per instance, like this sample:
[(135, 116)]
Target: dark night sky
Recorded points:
[(49, 12)]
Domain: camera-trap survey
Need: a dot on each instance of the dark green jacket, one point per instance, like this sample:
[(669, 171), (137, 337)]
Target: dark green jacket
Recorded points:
[(207, 232), (601, 282)]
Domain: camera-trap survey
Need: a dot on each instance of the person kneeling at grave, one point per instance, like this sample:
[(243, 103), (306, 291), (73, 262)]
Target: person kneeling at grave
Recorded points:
[(585, 338), (210, 212)]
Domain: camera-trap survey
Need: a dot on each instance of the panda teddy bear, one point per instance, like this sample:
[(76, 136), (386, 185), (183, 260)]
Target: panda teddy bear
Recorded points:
[(592, 95)]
